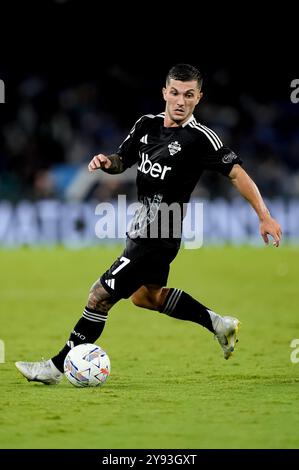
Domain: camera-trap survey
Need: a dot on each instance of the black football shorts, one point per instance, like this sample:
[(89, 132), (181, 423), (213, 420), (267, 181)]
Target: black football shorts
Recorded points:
[(140, 263)]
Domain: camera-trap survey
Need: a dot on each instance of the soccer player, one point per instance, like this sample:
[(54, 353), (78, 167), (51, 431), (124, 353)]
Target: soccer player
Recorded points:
[(171, 149)]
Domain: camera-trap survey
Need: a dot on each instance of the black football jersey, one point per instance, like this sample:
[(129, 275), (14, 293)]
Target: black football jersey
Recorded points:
[(171, 160)]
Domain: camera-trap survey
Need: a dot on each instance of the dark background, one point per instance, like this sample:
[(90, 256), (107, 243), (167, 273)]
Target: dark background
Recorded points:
[(79, 74)]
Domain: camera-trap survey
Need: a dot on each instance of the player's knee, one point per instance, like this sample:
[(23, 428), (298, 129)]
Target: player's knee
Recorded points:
[(147, 298), (99, 298), (139, 299)]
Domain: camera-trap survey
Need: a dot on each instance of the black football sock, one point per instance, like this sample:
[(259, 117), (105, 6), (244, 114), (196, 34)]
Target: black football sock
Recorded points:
[(180, 305), (87, 330)]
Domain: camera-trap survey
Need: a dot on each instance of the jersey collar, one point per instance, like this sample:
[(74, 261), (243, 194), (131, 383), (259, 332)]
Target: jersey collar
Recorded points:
[(191, 118)]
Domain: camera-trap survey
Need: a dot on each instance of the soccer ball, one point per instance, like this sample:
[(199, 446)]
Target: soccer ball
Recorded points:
[(87, 365)]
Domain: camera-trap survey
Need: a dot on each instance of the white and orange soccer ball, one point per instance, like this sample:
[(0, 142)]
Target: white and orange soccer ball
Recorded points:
[(87, 365)]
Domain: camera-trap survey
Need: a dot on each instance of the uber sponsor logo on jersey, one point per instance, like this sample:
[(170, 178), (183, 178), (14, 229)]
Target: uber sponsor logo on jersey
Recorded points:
[(174, 147), (154, 169), (229, 157)]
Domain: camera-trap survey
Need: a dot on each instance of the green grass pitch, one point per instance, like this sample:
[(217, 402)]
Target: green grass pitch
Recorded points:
[(170, 386)]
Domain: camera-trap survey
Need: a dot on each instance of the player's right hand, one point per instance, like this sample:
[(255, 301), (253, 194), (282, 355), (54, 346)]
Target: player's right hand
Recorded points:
[(99, 161)]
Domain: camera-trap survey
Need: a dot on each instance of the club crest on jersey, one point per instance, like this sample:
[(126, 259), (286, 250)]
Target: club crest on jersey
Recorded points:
[(174, 147)]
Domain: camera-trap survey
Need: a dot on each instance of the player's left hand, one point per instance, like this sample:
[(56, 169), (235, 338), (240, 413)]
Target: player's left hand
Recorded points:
[(270, 226)]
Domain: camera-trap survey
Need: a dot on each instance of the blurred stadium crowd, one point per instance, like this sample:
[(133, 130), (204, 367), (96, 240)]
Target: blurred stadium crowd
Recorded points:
[(50, 130)]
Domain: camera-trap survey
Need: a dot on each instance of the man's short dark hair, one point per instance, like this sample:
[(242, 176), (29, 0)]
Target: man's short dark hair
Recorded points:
[(184, 73)]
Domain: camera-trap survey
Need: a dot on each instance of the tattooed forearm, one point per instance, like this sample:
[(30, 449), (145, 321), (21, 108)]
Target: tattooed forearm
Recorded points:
[(117, 165)]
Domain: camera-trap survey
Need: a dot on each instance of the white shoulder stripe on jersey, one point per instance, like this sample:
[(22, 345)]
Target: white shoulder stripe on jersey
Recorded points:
[(134, 127), (211, 138), (144, 115), (128, 136), (212, 132)]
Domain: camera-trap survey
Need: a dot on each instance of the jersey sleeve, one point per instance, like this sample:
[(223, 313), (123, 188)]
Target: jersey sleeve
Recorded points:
[(128, 149), (222, 160), (216, 156)]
